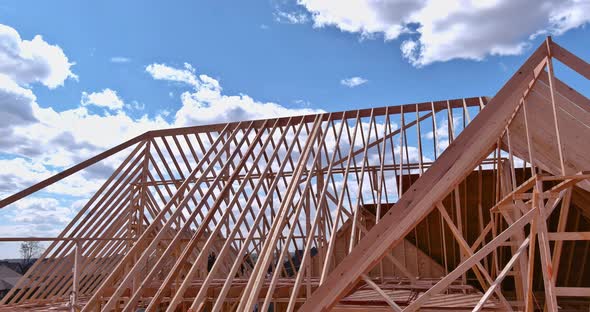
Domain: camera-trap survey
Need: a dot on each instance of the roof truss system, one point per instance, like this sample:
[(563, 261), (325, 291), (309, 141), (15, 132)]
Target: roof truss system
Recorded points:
[(347, 211)]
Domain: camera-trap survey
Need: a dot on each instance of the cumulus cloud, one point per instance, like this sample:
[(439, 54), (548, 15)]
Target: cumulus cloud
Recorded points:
[(164, 72), (63, 138), (15, 103), (444, 30), (206, 103), (35, 210), (353, 81), (43, 141), (105, 98), (362, 16), (18, 173), (442, 131), (38, 142), (29, 61), (37, 217)]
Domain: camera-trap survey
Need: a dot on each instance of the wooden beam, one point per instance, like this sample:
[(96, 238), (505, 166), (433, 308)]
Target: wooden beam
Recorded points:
[(572, 291), (570, 60), (502, 275), (458, 160), (471, 261), (380, 291), (62, 239), (569, 236), (68, 172)]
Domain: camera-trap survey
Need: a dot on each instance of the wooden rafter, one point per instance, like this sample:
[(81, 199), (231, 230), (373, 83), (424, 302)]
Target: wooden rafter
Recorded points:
[(336, 210)]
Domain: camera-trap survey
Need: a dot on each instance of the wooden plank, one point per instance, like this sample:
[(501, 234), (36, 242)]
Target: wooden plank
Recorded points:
[(551, 74), (572, 291), (250, 293), (466, 250), (544, 249), (454, 164), (561, 225), (502, 275), (283, 121), (469, 262), (569, 236), (571, 60), (139, 248), (380, 291), (68, 172)]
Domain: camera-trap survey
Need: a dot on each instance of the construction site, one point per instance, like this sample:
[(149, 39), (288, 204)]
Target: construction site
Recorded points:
[(340, 211)]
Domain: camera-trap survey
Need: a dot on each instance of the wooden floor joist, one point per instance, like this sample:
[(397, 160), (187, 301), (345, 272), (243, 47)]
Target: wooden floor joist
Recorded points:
[(471, 204)]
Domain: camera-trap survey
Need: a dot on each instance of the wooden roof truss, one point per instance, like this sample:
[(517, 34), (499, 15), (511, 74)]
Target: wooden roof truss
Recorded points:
[(341, 211)]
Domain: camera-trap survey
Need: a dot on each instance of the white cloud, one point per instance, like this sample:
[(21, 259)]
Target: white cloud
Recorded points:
[(445, 30), (61, 139), (36, 216), (120, 59), (18, 173), (353, 81), (362, 16), (15, 103), (206, 103), (105, 98), (39, 142), (35, 210), (164, 72), (43, 141), (29, 61), (290, 17), (442, 130)]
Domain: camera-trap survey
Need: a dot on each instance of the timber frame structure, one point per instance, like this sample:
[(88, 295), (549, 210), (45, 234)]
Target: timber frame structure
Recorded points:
[(466, 204)]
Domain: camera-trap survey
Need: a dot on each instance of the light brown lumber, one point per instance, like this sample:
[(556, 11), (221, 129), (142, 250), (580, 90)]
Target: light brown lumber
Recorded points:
[(138, 247), (304, 266), (250, 292), (502, 275), (380, 291), (569, 236), (466, 250), (454, 164), (30, 190), (209, 241), (307, 187), (561, 225), (570, 59), (268, 200), (551, 74), (572, 291), (544, 250), (469, 262)]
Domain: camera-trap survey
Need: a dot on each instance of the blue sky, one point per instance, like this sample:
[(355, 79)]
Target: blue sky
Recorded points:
[(105, 71)]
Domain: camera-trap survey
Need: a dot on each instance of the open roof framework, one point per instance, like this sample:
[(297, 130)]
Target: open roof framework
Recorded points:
[(465, 204)]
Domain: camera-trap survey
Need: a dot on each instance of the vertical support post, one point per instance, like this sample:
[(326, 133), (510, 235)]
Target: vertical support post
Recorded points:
[(554, 105), (308, 267), (544, 250), (76, 275), (529, 305), (561, 225)]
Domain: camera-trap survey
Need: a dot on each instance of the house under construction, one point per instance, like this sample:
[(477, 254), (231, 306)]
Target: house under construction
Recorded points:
[(474, 204)]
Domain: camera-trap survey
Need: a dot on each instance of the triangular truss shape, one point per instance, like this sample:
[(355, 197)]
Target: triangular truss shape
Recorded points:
[(460, 204)]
